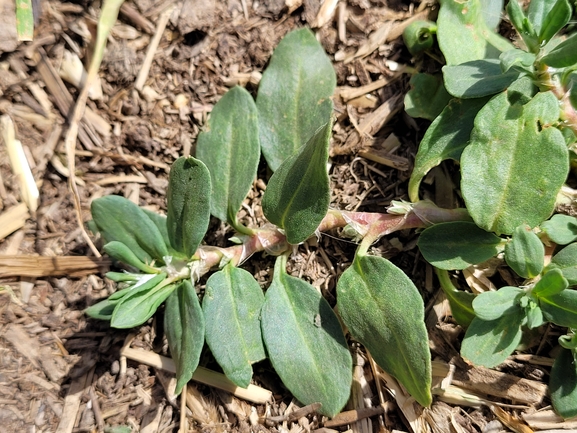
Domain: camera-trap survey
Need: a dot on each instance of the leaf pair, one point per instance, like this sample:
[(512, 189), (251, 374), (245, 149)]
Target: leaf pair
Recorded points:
[(293, 103)]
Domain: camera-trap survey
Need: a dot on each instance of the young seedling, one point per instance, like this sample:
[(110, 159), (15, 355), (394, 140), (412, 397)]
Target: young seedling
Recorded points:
[(291, 323)]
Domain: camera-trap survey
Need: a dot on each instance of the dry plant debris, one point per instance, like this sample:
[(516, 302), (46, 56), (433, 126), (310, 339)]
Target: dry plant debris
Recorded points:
[(165, 66)]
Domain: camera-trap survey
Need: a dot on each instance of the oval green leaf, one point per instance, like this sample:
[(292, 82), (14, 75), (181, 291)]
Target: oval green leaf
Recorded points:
[(294, 96), (560, 309), (525, 253), (231, 151), (232, 303), (297, 196), (121, 252), (477, 78), (551, 283), (492, 305), (557, 17), (489, 343), (427, 97), (188, 204), (118, 219), (137, 306), (383, 310), (445, 138), (461, 302), (305, 342), (563, 55), (563, 383), (463, 34), (566, 260), (561, 229), (184, 328), (457, 245), (515, 164)]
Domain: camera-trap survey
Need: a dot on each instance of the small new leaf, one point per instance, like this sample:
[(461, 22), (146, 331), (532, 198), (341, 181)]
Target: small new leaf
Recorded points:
[(298, 194), (121, 252), (457, 245), (305, 342), (551, 283), (383, 310), (230, 149), (138, 305), (184, 328), (525, 253), (188, 204), (232, 303)]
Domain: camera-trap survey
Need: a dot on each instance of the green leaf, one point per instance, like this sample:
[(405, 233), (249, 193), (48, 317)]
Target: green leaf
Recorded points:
[(160, 223), (463, 34), (563, 55), (561, 229), (477, 78), (491, 10), (231, 151), (457, 245), (24, 20), (232, 303), (568, 341), (294, 96), (297, 196), (517, 59), (521, 91), (489, 343), (427, 97), (539, 14), (122, 276), (461, 302), (184, 328), (418, 36), (515, 165), (525, 253), (446, 138), (534, 315), (551, 283), (102, 310), (522, 25), (383, 310), (566, 260), (493, 305), (188, 204), (563, 384), (137, 306), (121, 252), (557, 17), (560, 309), (305, 342), (118, 219)]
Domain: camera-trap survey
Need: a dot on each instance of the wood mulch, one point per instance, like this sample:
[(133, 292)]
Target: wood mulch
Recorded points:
[(62, 372)]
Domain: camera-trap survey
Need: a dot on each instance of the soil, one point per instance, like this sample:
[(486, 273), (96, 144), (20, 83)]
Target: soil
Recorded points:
[(61, 371)]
